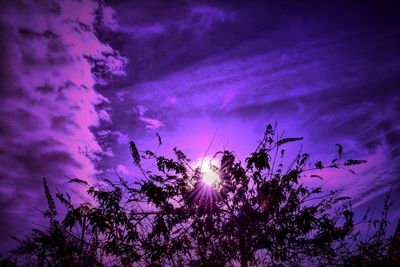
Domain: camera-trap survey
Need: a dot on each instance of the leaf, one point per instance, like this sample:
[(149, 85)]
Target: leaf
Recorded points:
[(149, 153), (52, 211), (287, 140), (341, 199), (351, 162), (79, 181), (159, 139), (340, 149), (180, 155), (304, 158), (135, 153), (160, 227), (260, 160), (316, 176), (257, 176), (269, 129), (293, 176), (70, 219), (319, 165), (317, 190), (65, 201)]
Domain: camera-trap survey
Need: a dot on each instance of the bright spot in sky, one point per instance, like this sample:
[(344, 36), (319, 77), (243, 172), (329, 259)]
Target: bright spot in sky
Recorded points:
[(210, 176)]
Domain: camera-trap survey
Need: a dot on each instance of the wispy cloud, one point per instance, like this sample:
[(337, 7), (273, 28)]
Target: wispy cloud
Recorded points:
[(152, 124), (327, 89)]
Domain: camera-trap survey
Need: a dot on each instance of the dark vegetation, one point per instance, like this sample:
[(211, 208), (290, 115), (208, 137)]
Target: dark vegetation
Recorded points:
[(259, 214)]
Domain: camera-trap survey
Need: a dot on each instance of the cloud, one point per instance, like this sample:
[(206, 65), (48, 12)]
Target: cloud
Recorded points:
[(141, 110), (146, 31), (328, 89), (194, 18), (122, 169), (52, 59), (166, 35), (152, 124)]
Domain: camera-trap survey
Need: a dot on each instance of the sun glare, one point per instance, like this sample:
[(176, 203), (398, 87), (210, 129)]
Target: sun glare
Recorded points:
[(210, 176)]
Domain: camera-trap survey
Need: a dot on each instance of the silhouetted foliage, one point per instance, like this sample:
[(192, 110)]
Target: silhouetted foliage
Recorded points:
[(55, 246), (259, 213)]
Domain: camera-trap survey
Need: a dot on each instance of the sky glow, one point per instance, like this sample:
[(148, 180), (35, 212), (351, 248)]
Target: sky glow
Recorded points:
[(209, 174)]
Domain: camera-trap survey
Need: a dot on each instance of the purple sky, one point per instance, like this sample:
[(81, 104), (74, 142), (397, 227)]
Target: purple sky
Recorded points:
[(190, 71)]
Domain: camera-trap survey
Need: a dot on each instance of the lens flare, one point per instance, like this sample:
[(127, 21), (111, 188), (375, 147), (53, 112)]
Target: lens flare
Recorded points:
[(208, 169)]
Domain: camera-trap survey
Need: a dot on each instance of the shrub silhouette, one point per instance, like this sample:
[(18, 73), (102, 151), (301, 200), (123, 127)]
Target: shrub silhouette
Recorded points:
[(258, 213)]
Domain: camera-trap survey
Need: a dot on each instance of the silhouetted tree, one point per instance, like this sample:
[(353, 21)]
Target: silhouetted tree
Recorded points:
[(258, 213)]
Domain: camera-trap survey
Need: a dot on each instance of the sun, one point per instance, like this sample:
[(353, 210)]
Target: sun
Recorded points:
[(210, 176)]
